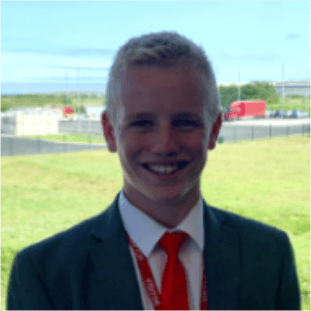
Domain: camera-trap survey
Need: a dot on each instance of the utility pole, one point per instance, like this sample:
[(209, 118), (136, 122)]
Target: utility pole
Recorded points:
[(217, 73), (239, 86), (283, 87), (307, 99), (67, 86), (78, 100)]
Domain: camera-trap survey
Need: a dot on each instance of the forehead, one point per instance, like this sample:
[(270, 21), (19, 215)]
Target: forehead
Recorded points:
[(176, 87), (139, 77)]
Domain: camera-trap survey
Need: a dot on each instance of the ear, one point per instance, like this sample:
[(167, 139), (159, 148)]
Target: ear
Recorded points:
[(215, 132), (109, 133)]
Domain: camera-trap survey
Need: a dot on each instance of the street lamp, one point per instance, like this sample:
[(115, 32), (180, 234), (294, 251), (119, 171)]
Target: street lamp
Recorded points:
[(283, 86), (239, 86)]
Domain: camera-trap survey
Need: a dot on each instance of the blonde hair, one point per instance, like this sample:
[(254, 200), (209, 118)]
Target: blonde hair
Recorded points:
[(162, 49)]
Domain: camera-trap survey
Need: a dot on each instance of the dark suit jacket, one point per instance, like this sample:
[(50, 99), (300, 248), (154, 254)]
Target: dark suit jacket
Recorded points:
[(248, 266)]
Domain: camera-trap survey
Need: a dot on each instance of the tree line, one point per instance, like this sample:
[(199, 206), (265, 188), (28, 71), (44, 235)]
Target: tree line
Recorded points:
[(251, 91)]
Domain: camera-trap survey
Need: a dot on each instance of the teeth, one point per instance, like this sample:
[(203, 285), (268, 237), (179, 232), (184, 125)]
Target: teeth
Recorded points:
[(163, 169)]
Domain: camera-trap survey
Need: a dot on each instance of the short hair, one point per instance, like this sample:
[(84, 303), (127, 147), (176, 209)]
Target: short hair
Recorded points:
[(162, 49)]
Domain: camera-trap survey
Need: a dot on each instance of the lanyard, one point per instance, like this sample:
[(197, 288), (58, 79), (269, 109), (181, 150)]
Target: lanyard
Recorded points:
[(150, 283)]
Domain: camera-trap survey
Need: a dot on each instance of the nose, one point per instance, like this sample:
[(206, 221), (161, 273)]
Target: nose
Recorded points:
[(165, 141)]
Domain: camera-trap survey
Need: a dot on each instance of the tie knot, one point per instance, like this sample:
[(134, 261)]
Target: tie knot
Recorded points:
[(171, 242)]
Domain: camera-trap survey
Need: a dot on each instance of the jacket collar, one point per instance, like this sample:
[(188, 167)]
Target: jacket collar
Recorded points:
[(113, 261)]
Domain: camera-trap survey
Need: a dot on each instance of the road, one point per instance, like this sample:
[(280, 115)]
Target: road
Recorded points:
[(231, 131)]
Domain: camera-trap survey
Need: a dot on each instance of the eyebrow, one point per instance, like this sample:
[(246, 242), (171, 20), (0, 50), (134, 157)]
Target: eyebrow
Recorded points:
[(140, 116), (184, 116), (181, 115)]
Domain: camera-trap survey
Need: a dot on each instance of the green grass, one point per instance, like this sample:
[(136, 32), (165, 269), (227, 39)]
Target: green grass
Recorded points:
[(36, 100), (45, 100), (267, 180), (88, 101), (300, 103), (69, 137)]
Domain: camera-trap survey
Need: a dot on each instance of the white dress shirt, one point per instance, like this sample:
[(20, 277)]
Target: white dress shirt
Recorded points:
[(146, 233)]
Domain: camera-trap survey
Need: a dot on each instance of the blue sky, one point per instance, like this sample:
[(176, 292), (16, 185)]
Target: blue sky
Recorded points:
[(45, 41)]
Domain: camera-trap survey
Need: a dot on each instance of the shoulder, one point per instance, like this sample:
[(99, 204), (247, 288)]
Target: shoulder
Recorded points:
[(250, 231), (56, 269), (58, 249), (74, 242), (263, 258)]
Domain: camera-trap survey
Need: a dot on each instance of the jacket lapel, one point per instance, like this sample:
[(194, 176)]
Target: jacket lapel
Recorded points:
[(222, 261), (113, 262), (115, 269)]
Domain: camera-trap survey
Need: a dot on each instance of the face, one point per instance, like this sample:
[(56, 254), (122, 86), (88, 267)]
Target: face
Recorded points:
[(160, 134)]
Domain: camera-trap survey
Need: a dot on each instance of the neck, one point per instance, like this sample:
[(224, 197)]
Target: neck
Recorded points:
[(169, 213)]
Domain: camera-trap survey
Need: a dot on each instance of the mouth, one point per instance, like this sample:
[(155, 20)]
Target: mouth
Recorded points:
[(166, 168)]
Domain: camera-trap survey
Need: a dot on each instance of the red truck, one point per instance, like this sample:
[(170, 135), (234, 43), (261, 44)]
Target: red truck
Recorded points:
[(245, 109), (68, 111)]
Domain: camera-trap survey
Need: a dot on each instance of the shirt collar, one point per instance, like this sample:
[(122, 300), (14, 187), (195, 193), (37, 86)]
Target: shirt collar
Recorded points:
[(146, 232)]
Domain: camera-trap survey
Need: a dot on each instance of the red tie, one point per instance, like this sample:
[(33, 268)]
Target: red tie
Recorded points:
[(174, 284)]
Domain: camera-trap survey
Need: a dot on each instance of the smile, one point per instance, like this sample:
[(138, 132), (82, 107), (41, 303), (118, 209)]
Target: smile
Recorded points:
[(165, 169)]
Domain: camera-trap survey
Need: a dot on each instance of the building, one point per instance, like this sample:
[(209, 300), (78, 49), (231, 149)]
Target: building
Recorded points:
[(94, 112), (293, 88)]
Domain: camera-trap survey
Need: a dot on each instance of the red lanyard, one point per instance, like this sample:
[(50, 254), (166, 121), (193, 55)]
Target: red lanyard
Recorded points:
[(150, 283)]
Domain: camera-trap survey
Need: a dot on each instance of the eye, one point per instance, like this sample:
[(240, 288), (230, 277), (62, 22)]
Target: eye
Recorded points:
[(186, 124), (142, 124)]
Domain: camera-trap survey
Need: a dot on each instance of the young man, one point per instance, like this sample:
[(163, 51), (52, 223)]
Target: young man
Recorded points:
[(159, 245)]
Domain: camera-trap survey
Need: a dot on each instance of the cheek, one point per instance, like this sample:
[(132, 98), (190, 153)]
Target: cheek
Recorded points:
[(130, 146), (196, 142)]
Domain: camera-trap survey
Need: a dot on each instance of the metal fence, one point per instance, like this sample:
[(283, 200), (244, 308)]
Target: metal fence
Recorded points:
[(231, 131), (92, 127), (76, 135), (237, 132), (13, 145)]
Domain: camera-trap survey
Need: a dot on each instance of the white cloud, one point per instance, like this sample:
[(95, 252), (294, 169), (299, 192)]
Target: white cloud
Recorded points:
[(294, 36), (18, 67)]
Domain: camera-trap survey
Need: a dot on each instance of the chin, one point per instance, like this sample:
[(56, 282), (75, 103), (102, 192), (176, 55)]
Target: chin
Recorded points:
[(170, 194)]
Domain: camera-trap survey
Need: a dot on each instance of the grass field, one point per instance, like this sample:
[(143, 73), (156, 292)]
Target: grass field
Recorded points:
[(70, 137), (30, 101), (88, 101), (44, 100), (267, 180), (291, 104)]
